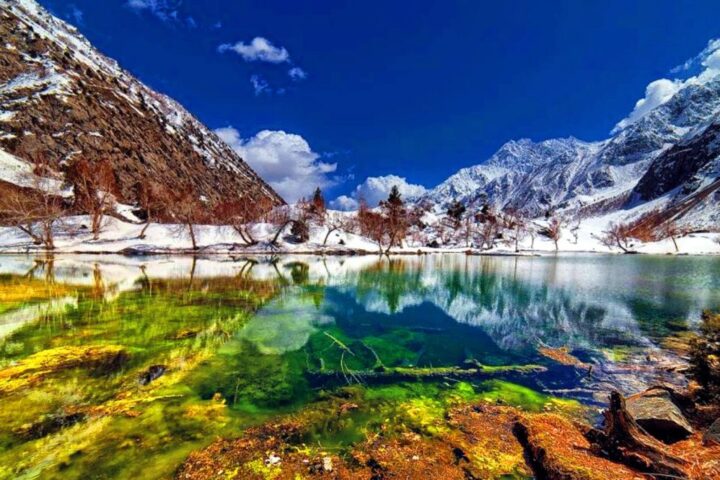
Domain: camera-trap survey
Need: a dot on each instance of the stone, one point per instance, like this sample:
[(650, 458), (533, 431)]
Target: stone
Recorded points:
[(712, 434), (656, 412)]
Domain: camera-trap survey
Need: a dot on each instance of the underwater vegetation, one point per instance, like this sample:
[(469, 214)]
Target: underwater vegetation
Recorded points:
[(393, 368)]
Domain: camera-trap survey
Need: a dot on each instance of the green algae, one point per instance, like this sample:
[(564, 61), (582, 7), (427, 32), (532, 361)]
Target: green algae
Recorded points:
[(527, 399)]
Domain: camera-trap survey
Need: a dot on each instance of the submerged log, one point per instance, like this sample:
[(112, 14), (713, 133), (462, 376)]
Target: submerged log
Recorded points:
[(399, 374), (623, 440)]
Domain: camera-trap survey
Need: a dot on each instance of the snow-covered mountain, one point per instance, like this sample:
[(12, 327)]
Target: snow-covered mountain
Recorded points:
[(61, 100), (671, 154)]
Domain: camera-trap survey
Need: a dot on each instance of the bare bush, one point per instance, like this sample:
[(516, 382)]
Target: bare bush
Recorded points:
[(616, 235)]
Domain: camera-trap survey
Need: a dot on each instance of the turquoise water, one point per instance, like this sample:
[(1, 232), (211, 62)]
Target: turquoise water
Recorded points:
[(210, 346)]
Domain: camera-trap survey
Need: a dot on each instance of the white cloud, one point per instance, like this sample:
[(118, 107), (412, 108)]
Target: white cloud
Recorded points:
[(165, 10), (75, 15), (297, 73), (656, 93), (662, 90), (259, 49), (259, 85), (375, 189), (284, 160), (343, 202)]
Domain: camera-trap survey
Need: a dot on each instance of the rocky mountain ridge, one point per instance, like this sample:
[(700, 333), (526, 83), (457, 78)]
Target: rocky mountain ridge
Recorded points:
[(61, 100), (667, 155)]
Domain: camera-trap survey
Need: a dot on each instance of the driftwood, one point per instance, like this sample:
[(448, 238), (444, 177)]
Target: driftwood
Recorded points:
[(623, 440), (399, 374)]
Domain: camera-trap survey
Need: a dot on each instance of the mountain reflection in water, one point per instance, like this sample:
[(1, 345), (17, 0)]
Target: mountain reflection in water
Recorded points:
[(187, 349)]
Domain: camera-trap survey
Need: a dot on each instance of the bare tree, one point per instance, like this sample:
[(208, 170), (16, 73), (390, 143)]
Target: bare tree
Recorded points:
[(489, 226), (35, 208), (188, 210), (240, 214), (517, 222), (153, 198), (339, 222), (671, 230), (616, 235), (34, 212), (372, 224), (93, 184), (554, 230)]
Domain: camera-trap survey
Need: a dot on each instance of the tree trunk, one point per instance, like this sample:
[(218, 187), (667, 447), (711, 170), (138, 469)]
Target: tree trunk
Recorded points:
[(245, 235), (619, 244), (677, 250), (144, 229), (192, 235), (623, 440), (48, 238), (277, 234), (328, 234), (37, 240), (141, 236)]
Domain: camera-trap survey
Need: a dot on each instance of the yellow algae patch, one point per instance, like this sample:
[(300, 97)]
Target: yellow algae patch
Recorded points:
[(29, 290), (35, 368)]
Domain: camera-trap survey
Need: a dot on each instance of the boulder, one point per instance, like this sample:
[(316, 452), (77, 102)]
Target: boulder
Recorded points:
[(712, 434), (656, 412)]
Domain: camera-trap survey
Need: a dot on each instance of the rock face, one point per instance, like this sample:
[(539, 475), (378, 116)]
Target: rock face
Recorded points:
[(655, 411), (671, 152), (712, 435), (62, 100)]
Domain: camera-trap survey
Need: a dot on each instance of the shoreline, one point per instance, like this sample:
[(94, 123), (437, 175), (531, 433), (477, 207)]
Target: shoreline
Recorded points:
[(342, 253)]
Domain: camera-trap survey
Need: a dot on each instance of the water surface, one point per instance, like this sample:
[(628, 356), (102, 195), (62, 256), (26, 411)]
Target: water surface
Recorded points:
[(192, 349)]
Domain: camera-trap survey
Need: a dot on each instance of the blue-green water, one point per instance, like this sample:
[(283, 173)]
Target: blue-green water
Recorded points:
[(213, 345)]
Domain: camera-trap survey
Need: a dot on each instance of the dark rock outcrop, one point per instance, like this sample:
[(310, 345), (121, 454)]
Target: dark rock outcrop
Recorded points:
[(656, 412)]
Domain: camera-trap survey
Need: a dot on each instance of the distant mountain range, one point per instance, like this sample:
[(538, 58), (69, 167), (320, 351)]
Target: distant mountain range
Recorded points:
[(670, 156), (62, 100)]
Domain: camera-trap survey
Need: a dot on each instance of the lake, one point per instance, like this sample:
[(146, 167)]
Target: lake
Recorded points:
[(119, 367)]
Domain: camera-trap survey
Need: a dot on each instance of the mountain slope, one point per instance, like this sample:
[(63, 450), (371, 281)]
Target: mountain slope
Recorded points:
[(62, 100), (672, 151)]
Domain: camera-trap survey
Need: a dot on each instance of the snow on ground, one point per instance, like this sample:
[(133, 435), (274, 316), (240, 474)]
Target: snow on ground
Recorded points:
[(20, 173), (121, 236)]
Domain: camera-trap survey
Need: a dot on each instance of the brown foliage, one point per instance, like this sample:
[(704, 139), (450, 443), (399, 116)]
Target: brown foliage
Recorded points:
[(94, 186)]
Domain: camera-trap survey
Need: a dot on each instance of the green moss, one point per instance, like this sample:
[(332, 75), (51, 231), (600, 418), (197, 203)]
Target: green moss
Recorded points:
[(499, 391), (267, 472)]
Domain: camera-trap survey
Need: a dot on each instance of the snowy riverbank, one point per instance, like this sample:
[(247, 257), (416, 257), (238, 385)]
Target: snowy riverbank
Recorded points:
[(117, 236)]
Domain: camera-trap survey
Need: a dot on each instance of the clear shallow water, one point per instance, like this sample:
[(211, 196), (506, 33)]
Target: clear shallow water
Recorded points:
[(188, 350)]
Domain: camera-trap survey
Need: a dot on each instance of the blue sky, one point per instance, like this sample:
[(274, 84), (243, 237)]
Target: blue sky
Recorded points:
[(414, 89)]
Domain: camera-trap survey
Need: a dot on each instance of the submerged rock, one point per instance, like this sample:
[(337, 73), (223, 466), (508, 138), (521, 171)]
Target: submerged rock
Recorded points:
[(49, 424), (656, 412), (152, 373)]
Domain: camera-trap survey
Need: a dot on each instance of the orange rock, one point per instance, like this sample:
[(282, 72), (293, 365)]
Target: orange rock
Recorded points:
[(557, 449)]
